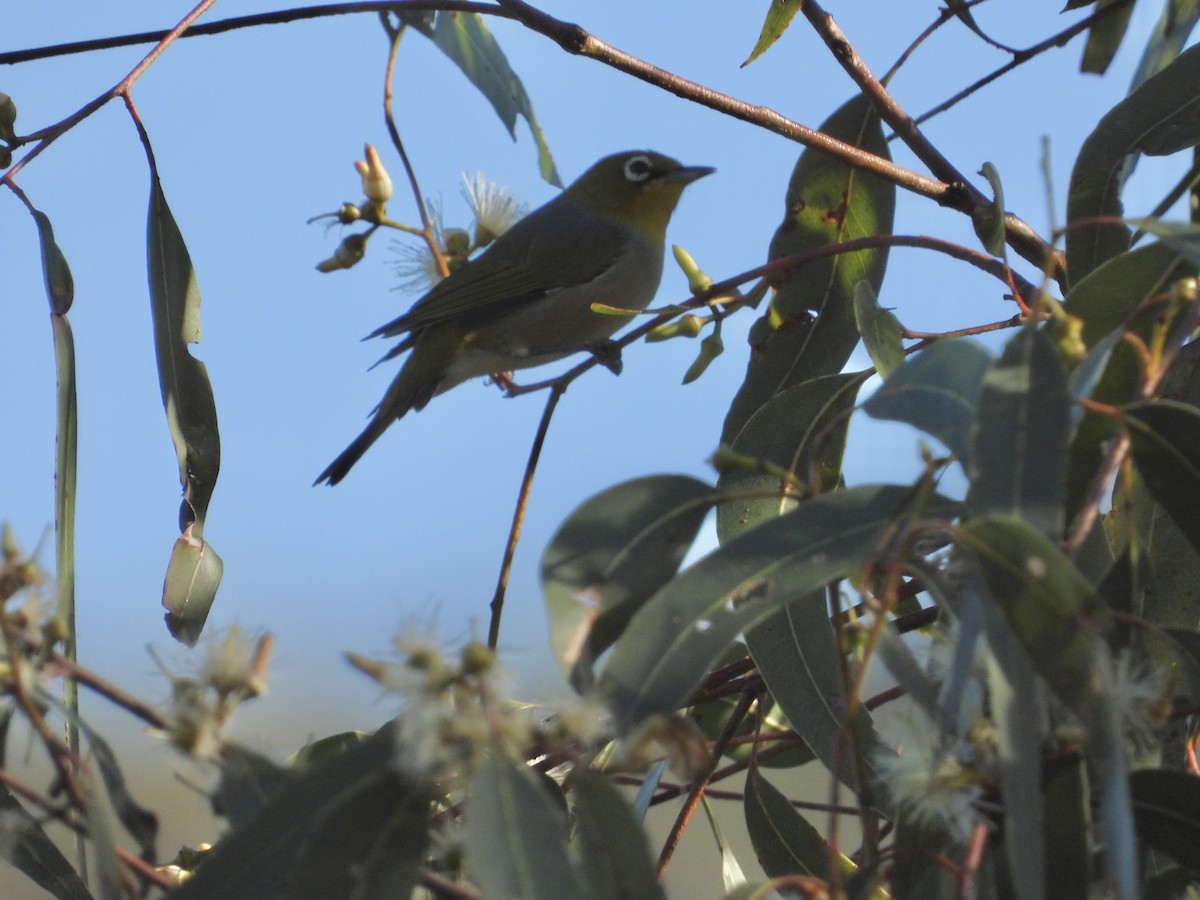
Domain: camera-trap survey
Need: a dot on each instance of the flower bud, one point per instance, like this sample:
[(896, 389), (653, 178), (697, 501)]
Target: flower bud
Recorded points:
[(376, 183), (688, 326), (697, 280), (8, 115), (348, 253)]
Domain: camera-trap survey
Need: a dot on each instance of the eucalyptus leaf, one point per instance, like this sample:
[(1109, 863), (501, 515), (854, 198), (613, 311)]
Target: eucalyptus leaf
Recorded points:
[(612, 846), (1160, 116), (1165, 436), (516, 837), (195, 570), (470, 45), (27, 848), (1022, 434), (1105, 36), (1166, 808), (60, 284), (687, 624), (802, 431), (937, 391), (784, 841), (827, 202), (610, 555), (989, 226), (1171, 32), (779, 16), (881, 331)]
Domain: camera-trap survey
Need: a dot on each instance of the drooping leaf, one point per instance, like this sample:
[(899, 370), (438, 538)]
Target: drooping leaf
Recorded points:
[(732, 876), (361, 791), (936, 391), (60, 284), (686, 625), (195, 569), (28, 849), (784, 841), (140, 822), (1165, 437), (1021, 435), (801, 430), (881, 331), (1178, 19), (990, 226), (612, 845), (1159, 117), (516, 837), (795, 652), (779, 16), (1105, 36), (1068, 817), (1048, 604), (612, 553), (467, 41), (827, 202), (1166, 808)]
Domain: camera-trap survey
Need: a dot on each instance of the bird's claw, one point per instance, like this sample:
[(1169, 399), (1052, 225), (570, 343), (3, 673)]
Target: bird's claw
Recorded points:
[(608, 354)]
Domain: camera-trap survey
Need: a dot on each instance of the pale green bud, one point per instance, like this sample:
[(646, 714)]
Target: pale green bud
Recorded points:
[(710, 348), (697, 280), (8, 115), (688, 326)]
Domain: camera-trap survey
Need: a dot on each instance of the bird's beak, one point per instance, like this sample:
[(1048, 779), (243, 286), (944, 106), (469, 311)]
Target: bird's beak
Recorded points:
[(687, 174)]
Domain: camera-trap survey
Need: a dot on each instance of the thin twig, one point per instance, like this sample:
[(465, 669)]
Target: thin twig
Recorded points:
[(697, 792), (514, 532)]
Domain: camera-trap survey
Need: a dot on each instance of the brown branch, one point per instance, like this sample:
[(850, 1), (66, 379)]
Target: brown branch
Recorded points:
[(961, 195), (279, 17)]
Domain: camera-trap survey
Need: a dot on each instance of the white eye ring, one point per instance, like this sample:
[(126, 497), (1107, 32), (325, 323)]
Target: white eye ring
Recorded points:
[(638, 168)]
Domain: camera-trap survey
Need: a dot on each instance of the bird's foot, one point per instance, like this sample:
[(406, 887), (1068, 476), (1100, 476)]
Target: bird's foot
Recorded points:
[(504, 381), (608, 354)]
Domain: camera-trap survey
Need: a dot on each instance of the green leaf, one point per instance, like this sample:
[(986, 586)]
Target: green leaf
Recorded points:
[(881, 331), (686, 625), (1068, 817), (1160, 117), (60, 284), (612, 845), (803, 431), (516, 837), (25, 846), (66, 458), (610, 555), (784, 841), (140, 822), (1165, 436), (1049, 606), (1106, 298), (989, 225), (779, 16), (795, 652), (195, 569), (1182, 237), (732, 876), (936, 391), (827, 202), (1104, 37), (248, 782), (350, 806), (1022, 434), (1178, 19), (467, 41), (1166, 809)]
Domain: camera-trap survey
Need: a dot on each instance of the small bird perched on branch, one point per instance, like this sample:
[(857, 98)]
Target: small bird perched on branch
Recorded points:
[(527, 300)]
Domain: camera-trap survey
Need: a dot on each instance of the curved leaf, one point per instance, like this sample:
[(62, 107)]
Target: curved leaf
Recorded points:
[(1022, 433), (467, 41), (516, 838), (881, 331), (989, 227), (827, 202), (27, 847), (1165, 436), (195, 569), (60, 284), (1178, 19), (688, 623), (936, 391), (784, 432), (779, 16), (784, 841), (610, 555), (1159, 117), (613, 849)]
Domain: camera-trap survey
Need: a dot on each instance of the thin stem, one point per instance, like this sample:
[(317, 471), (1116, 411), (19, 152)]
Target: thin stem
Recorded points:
[(514, 532), (702, 780)]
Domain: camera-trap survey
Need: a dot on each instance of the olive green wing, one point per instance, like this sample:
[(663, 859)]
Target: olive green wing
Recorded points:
[(558, 245)]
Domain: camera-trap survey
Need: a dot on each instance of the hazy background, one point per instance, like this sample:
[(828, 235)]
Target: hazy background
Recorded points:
[(255, 132)]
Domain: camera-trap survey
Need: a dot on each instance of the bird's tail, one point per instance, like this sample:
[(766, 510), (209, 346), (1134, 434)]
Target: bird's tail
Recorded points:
[(412, 388)]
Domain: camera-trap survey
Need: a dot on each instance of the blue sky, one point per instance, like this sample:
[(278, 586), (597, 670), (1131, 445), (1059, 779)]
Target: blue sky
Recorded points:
[(256, 131)]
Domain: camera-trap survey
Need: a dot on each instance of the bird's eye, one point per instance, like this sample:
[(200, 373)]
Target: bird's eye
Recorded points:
[(638, 168)]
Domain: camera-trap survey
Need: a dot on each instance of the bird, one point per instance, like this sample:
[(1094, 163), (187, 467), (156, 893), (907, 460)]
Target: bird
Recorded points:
[(527, 299)]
